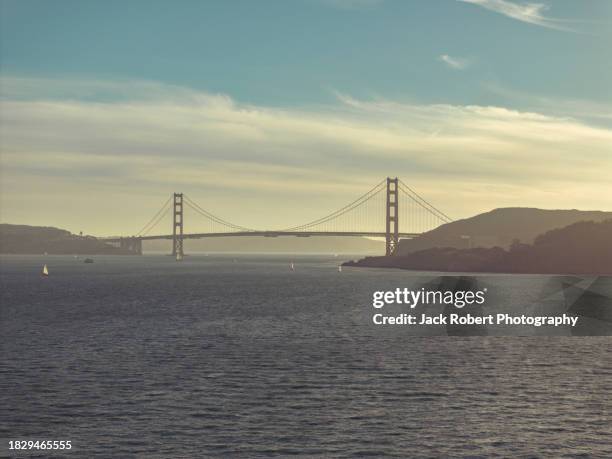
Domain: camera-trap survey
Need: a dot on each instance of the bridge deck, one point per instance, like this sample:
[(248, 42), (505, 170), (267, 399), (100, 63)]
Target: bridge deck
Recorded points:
[(264, 234)]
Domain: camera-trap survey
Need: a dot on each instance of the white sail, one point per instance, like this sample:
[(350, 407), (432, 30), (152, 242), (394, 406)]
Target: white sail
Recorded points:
[(340, 268), (45, 271), (292, 267)]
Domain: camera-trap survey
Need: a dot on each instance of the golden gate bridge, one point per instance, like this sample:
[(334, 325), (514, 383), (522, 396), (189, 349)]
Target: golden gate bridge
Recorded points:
[(380, 212)]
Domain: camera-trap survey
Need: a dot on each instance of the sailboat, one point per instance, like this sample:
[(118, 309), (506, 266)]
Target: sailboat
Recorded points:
[(45, 271), (339, 268), (292, 267)]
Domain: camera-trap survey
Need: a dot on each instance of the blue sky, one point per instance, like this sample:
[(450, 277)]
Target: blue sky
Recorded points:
[(278, 72), (293, 52)]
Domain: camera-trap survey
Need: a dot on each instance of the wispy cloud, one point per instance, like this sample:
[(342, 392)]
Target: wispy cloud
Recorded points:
[(590, 111), (456, 63), (239, 159), (532, 13)]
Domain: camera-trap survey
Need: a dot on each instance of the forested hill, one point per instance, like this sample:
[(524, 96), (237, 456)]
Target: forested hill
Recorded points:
[(24, 239), (499, 227), (580, 248)]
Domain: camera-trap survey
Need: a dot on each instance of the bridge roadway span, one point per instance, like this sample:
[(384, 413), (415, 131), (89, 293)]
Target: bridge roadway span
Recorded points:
[(264, 234)]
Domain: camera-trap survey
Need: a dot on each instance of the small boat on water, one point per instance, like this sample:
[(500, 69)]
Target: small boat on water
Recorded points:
[(45, 271), (339, 268), (292, 267), (88, 260)]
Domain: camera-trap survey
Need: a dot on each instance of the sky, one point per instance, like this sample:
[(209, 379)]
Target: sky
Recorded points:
[(273, 113)]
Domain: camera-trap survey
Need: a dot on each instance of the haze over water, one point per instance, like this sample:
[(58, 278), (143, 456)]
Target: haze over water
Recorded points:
[(237, 356)]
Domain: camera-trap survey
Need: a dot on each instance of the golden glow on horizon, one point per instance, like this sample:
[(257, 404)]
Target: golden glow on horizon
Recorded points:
[(105, 167)]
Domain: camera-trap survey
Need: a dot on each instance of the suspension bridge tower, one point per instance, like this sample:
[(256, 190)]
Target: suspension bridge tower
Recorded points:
[(177, 227), (392, 226)]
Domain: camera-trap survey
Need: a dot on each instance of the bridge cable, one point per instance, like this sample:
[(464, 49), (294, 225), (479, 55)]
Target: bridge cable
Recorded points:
[(423, 203), (154, 225), (356, 203), (366, 198), (146, 227), (430, 211), (193, 205)]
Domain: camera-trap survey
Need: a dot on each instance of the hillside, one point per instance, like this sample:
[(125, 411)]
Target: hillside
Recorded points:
[(24, 239), (498, 228), (580, 248)]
